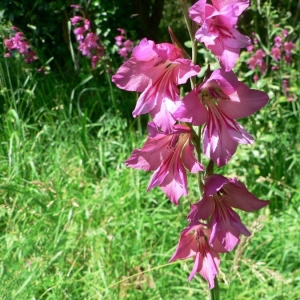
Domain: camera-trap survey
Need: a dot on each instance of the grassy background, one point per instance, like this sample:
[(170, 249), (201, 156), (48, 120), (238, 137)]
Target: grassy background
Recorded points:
[(76, 224)]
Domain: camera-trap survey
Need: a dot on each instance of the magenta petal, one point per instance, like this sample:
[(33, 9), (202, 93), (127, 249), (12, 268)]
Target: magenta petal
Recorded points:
[(162, 114), (239, 7), (145, 50), (238, 133), (227, 56), (151, 155), (202, 209), (186, 247), (186, 69), (189, 160), (174, 184), (244, 102), (136, 75), (226, 226), (217, 143), (197, 11), (153, 130), (227, 81), (239, 197), (191, 109), (161, 173), (237, 40), (205, 35), (206, 266), (214, 183)]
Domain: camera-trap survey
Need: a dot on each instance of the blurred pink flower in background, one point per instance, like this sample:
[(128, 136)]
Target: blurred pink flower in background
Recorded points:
[(275, 53), (19, 44), (89, 44), (277, 41), (125, 47)]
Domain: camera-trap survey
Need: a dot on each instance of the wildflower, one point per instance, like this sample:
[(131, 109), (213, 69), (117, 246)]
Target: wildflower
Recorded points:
[(277, 41), (285, 32), (75, 6), (193, 243), (156, 70), (128, 44), (257, 60), (220, 195), (19, 43), (123, 52), (122, 31), (217, 102), (218, 29), (288, 47), (286, 90), (276, 53), (169, 155), (76, 20), (119, 39), (250, 48), (89, 44)]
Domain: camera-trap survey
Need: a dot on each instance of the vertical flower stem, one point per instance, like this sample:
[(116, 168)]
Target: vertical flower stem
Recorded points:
[(198, 149), (188, 23), (189, 26), (196, 136), (215, 292)]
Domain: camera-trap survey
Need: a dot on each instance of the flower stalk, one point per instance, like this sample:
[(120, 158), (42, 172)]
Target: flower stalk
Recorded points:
[(185, 127)]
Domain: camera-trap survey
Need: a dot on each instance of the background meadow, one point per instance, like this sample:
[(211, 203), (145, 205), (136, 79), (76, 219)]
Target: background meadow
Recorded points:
[(75, 222)]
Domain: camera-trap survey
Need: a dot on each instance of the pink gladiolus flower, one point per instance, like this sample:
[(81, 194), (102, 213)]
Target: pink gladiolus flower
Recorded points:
[(220, 195), (122, 31), (285, 32), (169, 155), (277, 41), (288, 47), (92, 39), (119, 39), (217, 102), (155, 70), (123, 52), (251, 63), (218, 28), (19, 43), (76, 19), (250, 48), (259, 56), (128, 44), (193, 243), (86, 24), (75, 6), (79, 33), (276, 53)]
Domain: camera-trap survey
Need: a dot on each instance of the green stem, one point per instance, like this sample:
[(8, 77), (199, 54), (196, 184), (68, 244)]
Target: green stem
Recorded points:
[(189, 26), (200, 174), (215, 292)]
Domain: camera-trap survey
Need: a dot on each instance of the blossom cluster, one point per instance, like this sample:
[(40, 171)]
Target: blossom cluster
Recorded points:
[(173, 147), (125, 45), (19, 44), (89, 44), (280, 51)]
